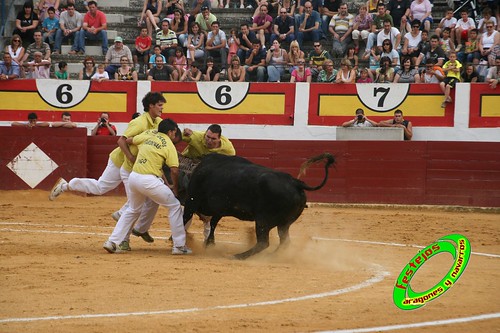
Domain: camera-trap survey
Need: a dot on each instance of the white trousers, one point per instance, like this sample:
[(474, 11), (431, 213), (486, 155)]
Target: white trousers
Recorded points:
[(149, 186), (109, 180)]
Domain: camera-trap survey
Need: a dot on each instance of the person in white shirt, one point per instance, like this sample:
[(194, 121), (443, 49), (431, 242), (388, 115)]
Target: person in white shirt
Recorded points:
[(462, 28), (391, 33)]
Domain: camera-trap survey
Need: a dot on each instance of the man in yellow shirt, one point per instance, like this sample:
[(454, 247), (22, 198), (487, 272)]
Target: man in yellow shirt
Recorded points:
[(212, 141), (145, 182), (452, 70)]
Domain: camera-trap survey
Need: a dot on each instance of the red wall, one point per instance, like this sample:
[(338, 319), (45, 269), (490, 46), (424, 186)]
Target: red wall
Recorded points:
[(397, 172)]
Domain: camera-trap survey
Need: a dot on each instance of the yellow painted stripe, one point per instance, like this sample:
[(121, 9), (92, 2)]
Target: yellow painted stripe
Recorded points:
[(94, 102), (490, 105), (268, 104), (421, 105)]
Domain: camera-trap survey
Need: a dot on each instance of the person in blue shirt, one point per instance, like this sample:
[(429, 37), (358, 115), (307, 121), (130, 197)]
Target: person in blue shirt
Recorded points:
[(49, 26)]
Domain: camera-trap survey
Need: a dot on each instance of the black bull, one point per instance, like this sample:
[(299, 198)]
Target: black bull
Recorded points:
[(233, 186)]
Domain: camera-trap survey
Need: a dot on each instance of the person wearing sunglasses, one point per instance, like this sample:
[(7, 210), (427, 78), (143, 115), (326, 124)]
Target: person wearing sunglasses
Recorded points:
[(283, 27), (489, 43), (15, 49), (411, 41)]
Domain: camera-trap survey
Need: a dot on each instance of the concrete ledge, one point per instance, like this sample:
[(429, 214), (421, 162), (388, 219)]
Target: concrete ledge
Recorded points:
[(370, 133), (115, 18), (114, 3), (90, 50), (73, 68)]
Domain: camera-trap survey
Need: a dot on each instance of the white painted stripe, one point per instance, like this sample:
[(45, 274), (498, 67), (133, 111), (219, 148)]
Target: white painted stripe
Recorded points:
[(421, 324), (380, 275)]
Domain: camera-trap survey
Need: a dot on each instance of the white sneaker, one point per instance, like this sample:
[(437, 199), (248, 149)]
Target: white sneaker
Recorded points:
[(242, 6), (458, 48), (116, 215), (181, 250), (57, 189), (223, 72), (249, 7), (109, 246), (226, 6)]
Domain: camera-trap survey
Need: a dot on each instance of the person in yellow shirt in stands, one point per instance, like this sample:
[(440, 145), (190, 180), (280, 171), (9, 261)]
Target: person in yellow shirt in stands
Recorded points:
[(452, 70), (203, 143), (145, 181)]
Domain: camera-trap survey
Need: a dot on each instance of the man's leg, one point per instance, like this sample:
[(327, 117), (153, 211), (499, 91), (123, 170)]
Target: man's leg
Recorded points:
[(109, 180)]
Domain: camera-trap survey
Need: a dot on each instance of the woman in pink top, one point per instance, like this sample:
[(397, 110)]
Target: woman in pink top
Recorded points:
[(301, 73), (421, 10)]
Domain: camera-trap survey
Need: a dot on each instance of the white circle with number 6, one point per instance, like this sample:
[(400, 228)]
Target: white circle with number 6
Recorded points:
[(63, 94), (222, 95), (382, 97)]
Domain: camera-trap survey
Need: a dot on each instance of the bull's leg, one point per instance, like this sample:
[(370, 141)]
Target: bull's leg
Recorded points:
[(211, 236), (284, 236), (189, 210), (262, 233)]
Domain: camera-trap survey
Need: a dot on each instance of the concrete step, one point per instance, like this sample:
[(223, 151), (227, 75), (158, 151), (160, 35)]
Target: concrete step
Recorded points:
[(114, 3), (115, 18), (73, 69), (90, 50)]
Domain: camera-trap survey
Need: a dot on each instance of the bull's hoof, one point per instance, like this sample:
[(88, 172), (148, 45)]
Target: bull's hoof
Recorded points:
[(240, 256), (209, 243)]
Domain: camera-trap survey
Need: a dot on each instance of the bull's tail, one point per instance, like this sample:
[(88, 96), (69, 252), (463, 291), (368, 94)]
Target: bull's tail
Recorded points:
[(329, 161)]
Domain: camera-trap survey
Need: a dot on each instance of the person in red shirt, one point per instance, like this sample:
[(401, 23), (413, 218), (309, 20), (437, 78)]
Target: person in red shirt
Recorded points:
[(142, 48), (103, 127), (93, 28)]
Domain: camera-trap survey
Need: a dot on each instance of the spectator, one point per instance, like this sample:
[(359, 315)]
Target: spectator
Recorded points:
[(255, 63), (65, 120), (294, 55), (411, 41), (94, 28), (470, 53), (452, 71), (289, 6), (271, 8), (493, 75), (70, 24), (352, 57), (142, 48), (435, 51), (103, 126), (393, 55), (15, 49), (276, 60), (470, 74), (192, 74), (389, 32), (421, 10), (372, 6), (464, 24), (37, 46), (400, 11), (162, 72), (115, 54), (446, 43), (487, 15), (150, 14), (39, 68), (195, 43), (244, 41), (283, 27), (232, 44), (44, 7), (196, 8), (205, 19), (157, 52), (179, 25), (317, 5), (8, 69), (62, 73), (236, 73), (489, 44), (364, 76), (330, 9), (26, 23), (360, 120), (316, 58), (167, 39), (448, 21), (384, 74), (341, 29), (171, 6), (301, 73), (432, 73), (49, 27), (180, 61), (217, 45), (32, 122), (373, 61), (211, 72), (328, 73), (262, 25), (309, 25), (101, 74), (88, 69), (361, 26), (377, 26), (125, 72), (399, 121), (346, 74), (407, 74)]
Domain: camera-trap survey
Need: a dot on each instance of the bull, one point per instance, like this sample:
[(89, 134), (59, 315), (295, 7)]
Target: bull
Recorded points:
[(233, 186)]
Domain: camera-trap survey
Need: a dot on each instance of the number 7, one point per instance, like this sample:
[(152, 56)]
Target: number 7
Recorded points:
[(384, 92)]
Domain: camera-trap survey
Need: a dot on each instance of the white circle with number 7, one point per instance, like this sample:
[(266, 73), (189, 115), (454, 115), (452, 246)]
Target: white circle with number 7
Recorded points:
[(63, 94), (222, 95), (382, 97)]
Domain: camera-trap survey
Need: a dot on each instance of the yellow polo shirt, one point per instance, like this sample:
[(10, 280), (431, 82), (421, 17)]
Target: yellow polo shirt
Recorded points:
[(456, 75), (153, 153), (197, 147), (140, 124), (117, 157)]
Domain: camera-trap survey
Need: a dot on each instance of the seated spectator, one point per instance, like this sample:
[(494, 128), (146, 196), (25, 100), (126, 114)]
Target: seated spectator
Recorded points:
[(329, 9), (88, 69), (316, 58), (346, 74), (361, 26), (489, 44), (216, 45), (294, 55), (407, 74), (272, 7), (114, 56), (37, 46), (205, 19), (364, 76), (421, 10), (232, 44), (328, 73), (244, 41), (389, 52), (262, 25), (49, 27), (180, 61), (103, 126), (151, 15), (125, 72), (470, 53), (360, 120), (452, 70), (432, 73), (389, 32), (101, 74), (377, 26), (487, 15), (70, 25), (462, 28), (283, 27), (192, 74), (446, 43), (211, 72), (44, 8), (162, 71), (309, 25), (179, 24), (142, 48), (94, 28), (301, 73), (39, 68), (384, 74), (470, 74), (195, 44), (411, 41), (8, 69), (493, 74), (65, 121), (400, 12), (276, 60), (373, 58), (448, 21), (62, 73), (255, 63), (15, 49), (236, 73), (156, 52), (289, 6), (434, 51), (399, 121), (341, 27), (32, 122), (195, 8), (26, 23), (350, 54), (171, 6)]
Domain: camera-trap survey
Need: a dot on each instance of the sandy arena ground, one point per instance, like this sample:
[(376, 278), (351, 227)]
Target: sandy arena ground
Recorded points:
[(338, 273)]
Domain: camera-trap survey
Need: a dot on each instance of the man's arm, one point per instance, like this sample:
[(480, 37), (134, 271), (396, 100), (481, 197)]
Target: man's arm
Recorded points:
[(122, 143)]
